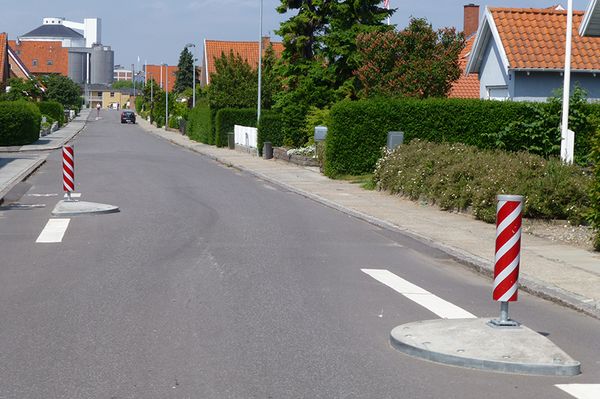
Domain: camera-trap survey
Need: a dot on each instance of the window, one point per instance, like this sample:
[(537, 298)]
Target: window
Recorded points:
[(34, 62), (497, 92), (112, 93), (49, 62)]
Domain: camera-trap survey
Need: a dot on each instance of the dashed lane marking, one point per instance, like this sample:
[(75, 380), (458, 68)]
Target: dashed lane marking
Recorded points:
[(581, 391), (54, 231), (429, 301), (73, 195)]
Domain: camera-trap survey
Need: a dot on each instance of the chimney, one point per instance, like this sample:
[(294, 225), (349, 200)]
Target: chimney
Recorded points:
[(266, 41), (471, 19)]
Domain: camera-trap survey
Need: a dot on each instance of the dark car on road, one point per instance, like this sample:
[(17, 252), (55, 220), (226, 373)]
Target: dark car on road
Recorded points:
[(127, 117)]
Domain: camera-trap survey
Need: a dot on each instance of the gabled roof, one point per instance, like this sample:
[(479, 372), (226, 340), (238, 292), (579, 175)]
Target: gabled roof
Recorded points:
[(467, 86), (58, 31), (533, 39), (247, 50), (590, 26), (3, 57), (17, 67)]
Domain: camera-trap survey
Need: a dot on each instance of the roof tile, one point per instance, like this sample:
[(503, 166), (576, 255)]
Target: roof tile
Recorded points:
[(3, 56), (247, 50), (535, 39), (467, 86)]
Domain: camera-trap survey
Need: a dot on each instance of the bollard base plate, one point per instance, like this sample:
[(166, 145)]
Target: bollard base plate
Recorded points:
[(498, 323), (473, 343), (74, 208)]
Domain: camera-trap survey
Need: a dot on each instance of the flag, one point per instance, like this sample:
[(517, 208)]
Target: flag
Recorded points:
[(386, 4)]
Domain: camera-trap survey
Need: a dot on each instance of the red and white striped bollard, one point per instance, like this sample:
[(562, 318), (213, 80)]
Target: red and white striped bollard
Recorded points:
[(68, 170), (508, 255)]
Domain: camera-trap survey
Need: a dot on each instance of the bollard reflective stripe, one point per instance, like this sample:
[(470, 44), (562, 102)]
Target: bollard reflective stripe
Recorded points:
[(68, 169), (508, 247)]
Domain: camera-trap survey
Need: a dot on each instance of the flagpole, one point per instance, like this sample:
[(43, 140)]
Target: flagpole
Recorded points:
[(387, 6)]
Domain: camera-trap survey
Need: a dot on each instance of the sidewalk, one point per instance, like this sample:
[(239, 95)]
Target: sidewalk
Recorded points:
[(17, 163), (561, 273)]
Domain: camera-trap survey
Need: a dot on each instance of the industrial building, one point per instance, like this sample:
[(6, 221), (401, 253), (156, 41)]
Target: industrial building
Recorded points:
[(87, 60)]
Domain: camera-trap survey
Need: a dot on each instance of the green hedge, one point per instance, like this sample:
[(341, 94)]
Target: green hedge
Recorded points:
[(594, 215), (226, 118), (270, 128), (19, 123), (359, 129), (460, 177), (199, 126), (53, 109)]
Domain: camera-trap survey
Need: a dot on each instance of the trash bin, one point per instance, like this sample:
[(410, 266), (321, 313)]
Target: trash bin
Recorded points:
[(231, 140), (267, 150)]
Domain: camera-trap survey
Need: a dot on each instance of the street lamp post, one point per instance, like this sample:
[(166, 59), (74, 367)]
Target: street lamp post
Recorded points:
[(193, 74), (166, 95), (259, 63)]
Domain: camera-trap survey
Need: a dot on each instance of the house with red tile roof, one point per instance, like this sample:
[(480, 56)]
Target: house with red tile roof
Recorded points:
[(248, 51), (164, 76), (11, 65), (519, 54), (42, 57)]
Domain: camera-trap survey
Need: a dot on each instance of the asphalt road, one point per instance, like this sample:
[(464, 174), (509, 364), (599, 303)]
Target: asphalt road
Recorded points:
[(211, 283)]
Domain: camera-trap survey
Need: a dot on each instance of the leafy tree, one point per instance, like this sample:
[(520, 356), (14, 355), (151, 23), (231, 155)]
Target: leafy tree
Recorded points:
[(22, 89), (233, 85), (185, 71), (63, 90), (271, 80), (126, 84), (323, 33), (416, 62)]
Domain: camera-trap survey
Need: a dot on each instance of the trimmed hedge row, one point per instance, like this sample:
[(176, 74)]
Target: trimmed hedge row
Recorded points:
[(270, 128), (19, 123), (359, 128), (53, 109), (227, 118), (199, 127)]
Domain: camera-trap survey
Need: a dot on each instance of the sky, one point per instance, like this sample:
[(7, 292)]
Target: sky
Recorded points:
[(156, 31)]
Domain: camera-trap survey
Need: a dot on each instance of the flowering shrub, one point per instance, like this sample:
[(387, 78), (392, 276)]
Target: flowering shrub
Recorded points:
[(309, 151), (460, 177)]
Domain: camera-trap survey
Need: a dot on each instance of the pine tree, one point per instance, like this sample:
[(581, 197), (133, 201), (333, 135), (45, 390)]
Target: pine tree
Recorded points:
[(185, 71)]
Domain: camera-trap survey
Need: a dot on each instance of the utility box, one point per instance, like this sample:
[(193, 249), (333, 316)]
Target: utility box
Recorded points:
[(320, 133), (394, 139)]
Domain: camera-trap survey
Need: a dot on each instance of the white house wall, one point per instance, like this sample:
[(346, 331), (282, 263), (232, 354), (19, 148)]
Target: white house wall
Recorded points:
[(492, 74)]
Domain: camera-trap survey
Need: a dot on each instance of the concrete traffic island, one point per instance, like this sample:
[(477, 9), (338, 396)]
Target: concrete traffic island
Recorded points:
[(74, 208), (474, 343)]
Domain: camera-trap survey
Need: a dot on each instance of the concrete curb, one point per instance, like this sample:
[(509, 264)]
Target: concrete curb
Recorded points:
[(480, 265), (76, 208), (20, 177)]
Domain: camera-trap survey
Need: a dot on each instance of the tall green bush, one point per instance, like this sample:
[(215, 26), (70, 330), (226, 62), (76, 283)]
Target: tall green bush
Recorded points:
[(227, 118), (199, 126), (19, 123), (594, 216), (53, 109), (359, 129), (270, 128)]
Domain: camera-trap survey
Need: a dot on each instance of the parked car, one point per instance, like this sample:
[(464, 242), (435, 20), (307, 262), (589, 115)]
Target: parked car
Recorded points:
[(127, 117)]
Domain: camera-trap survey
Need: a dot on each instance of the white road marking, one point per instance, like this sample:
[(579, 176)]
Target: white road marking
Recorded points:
[(431, 302), (73, 195), (54, 231), (581, 391), (43, 195)]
